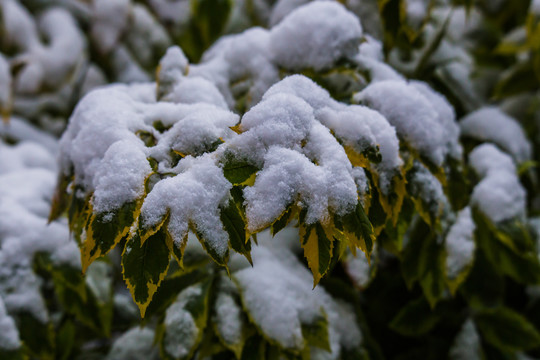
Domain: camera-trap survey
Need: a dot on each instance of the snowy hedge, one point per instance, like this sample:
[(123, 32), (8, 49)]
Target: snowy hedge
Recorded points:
[(302, 180)]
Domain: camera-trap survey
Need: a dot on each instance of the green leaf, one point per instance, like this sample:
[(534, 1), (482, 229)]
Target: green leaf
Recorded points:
[(524, 268), (358, 229), (37, 337), (185, 322), (144, 267), (282, 221), (507, 330), (413, 263), (317, 242), (238, 172), (105, 230), (485, 286), (316, 333), (433, 281), (65, 340), (16, 354), (415, 319), (87, 310), (235, 226), (60, 197), (254, 348), (209, 246)]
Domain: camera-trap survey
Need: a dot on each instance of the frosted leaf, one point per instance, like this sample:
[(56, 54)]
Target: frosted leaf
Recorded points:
[(358, 268), (44, 65), (499, 194), (491, 124), (229, 322), (377, 70), (173, 67), (304, 88), (460, 244), (110, 19), (181, 331), (135, 344), (120, 176), (25, 190), (412, 114), (20, 130), (467, 343), (277, 293), (364, 129), (286, 175), (102, 118), (446, 117), (240, 59), (371, 48), (146, 37), (426, 187), (194, 195), (323, 149), (24, 155), (191, 90), (315, 36), (486, 158), (176, 13), (362, 183), (197, 131), (282, 8), (9, 336), (281, 120)]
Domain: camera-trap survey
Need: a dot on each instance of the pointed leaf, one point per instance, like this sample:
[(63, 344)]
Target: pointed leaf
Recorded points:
[(317, 242), (507, 330), (185, 322), (105, 230), (235, 226), (144, 266)]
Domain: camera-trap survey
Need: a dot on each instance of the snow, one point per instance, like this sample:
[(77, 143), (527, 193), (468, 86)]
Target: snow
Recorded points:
[(304, 88), (499, 193), (467, 343), (45, 65), (135, 344), (180, 328), (193, 90), (487, 157), (109, 19), (535, 7), (278, 296), (446, 117), (412, 114), (228, 318), (194, 195), (460, 244), (358, 268), (492, 125), (9, 336), (424, 185), (120, 176), (363, 129), (282, 8), (26, 185), (26, 154), (172, 68), (315, 36)]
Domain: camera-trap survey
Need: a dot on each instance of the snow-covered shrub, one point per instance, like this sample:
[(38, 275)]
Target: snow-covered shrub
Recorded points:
[(325, 182)]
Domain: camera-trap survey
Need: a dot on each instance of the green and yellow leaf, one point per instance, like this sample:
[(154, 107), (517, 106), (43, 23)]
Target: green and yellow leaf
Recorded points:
[(144, 266)]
